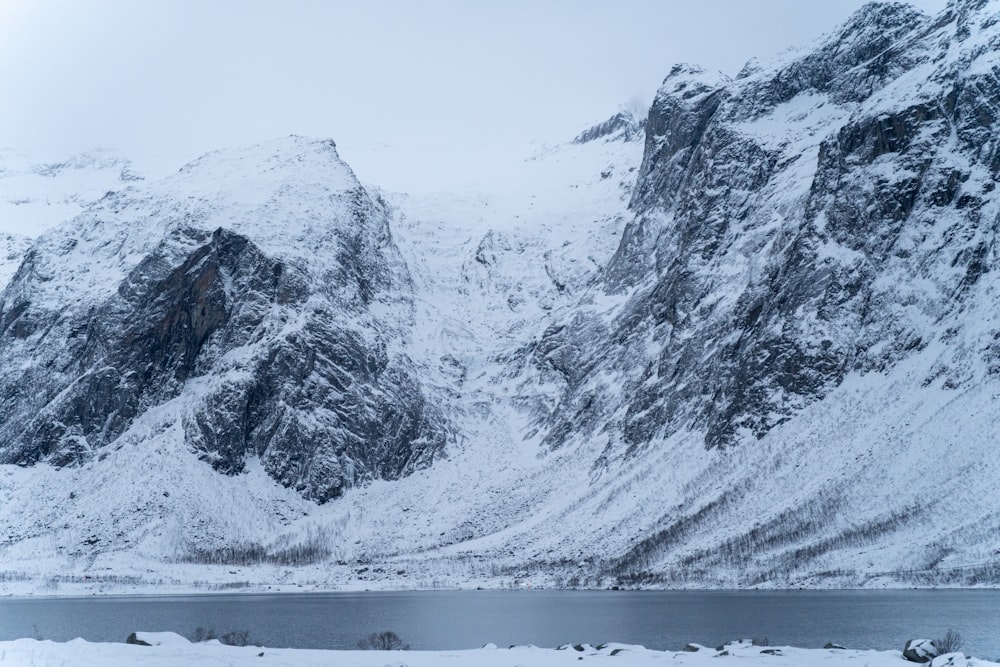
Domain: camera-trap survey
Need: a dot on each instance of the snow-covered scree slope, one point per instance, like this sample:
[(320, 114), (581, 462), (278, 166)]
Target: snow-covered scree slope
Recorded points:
[(778, 367), (248, 307), (167, 649)]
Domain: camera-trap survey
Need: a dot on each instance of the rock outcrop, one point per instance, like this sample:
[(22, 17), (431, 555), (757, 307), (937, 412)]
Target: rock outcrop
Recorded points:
[(920, 650), (257, 295)]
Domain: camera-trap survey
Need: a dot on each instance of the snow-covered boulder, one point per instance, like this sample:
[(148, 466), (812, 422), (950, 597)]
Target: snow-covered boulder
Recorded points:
[(920, 650), (157, 639), (957, 659)]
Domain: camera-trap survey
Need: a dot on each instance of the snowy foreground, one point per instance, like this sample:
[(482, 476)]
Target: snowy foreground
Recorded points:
[(169, 649)]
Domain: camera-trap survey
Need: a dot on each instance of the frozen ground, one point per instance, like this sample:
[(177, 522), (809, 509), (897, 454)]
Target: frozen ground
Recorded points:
[(170, 650)]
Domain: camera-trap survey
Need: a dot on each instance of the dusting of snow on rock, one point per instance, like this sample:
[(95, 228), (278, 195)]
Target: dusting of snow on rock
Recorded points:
[(244, 308)]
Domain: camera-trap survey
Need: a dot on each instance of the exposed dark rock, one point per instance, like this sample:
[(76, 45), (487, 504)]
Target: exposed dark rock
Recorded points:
[(677, 122), (132, 639)]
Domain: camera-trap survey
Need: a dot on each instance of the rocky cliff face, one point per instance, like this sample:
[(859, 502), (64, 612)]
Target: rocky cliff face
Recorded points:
[(256, 296), (828, 214)]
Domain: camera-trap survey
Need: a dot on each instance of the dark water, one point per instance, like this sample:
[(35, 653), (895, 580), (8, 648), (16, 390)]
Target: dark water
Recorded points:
[(468, 619)]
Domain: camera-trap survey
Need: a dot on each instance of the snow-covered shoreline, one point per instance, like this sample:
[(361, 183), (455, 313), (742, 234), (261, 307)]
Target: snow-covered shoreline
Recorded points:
[(168, 649), (43, 587)]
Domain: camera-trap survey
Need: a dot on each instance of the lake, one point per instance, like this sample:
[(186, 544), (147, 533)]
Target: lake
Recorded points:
[(468, 619)]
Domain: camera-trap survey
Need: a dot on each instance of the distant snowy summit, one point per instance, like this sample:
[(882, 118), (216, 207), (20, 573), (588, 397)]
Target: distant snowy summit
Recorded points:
[(623, 126), (37, 195)]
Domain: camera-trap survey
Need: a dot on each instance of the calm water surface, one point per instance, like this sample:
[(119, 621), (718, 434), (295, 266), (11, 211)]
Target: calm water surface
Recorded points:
[(468, 619)]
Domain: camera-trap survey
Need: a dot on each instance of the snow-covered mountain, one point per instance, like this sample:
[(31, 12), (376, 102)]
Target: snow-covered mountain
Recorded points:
[(37, 195), (245, 305), (812, 245), (757, 348)]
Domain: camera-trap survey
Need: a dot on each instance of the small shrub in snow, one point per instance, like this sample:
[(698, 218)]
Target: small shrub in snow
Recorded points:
[(237, 638), (133, 639), (950, 643), (383, 641), (231, 638), (202, 635)]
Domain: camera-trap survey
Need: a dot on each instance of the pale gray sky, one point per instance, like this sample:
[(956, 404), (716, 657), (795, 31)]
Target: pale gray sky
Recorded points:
[(165, 80)]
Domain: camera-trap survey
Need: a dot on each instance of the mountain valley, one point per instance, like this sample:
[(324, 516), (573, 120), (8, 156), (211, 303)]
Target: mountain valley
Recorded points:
[(750, 340)]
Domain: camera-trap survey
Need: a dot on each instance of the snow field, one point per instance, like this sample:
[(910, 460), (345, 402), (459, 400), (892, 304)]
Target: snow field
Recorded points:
[(171, 650)]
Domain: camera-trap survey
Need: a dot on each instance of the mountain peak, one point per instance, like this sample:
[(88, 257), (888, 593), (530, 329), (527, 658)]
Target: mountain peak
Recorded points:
[(686, 81), (869, 31), (252, 299), (623, 126), (882, 14), (275, 159)]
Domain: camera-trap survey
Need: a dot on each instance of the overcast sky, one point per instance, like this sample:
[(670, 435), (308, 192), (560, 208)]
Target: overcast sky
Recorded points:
[(166, 80)]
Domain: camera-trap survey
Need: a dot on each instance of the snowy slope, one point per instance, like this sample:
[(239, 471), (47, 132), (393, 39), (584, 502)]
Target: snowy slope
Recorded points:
[(489, 269), (168, 650), (35, 195)]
